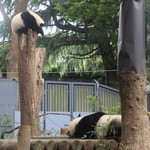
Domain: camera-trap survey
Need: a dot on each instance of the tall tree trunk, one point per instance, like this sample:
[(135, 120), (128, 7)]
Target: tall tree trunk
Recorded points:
[(135, 122), (30, 81), (132, 78), (27, 85), (12, 56)]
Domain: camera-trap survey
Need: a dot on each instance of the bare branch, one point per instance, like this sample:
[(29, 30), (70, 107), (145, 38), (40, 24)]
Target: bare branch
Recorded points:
[(86, 57), (10, 131), (68, 26), (56, 114), (77, 54)]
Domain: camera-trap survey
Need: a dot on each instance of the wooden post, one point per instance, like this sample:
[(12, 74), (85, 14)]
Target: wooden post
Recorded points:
[(135, 122), (26, 63), (30, 87)]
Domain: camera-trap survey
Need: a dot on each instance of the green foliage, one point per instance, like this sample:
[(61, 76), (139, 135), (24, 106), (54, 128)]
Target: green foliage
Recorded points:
[(73, 68), (93, 48), (3, 52), (86, 10), (104, 128), (112, 111), (5, 120), (93, 103)]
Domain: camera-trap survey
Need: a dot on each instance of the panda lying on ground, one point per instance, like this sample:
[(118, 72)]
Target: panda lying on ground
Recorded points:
[(96, 125), (27, 20)]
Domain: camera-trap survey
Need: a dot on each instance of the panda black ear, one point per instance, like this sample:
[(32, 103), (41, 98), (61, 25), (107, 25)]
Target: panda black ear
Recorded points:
[(79, 115), (42, 24)]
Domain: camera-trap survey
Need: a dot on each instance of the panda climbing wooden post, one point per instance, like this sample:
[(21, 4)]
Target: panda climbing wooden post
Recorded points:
[(27, 25)]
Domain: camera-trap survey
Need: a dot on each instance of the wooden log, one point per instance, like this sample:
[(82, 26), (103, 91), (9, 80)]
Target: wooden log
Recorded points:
[(24, 136), (112, 145), (38, 145), (51, 145), (99, 145), (76, 145), (63, 145), (27, 88), (88, 145), (8, 144)]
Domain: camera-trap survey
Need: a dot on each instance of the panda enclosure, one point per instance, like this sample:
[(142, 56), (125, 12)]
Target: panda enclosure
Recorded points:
[(29, 87), (125, 82)]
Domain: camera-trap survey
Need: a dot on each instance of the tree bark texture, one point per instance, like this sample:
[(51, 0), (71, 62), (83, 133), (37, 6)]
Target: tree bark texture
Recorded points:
[(135, 122), (27, 70), (39, 60), (30, 81), (24, 138)]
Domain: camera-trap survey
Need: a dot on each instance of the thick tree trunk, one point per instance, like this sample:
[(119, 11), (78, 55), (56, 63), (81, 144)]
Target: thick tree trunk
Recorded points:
[(27, 73), (30, 82), (27, 85), (135, 122), (24, 136)]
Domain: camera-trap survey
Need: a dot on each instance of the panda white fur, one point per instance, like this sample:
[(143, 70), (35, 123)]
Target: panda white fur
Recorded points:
[(96, 125), (27, 20), (109, 127)]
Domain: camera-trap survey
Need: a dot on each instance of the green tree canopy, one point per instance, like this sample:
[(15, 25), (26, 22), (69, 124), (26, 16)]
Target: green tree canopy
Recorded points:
[(81, 34), (86, 30)]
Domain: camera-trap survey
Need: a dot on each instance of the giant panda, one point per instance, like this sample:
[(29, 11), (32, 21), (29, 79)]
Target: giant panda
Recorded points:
[(27, 20), (96, 125)]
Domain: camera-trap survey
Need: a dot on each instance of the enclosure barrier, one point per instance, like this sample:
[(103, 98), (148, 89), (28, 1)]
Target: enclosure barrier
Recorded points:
[(62, 144)]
